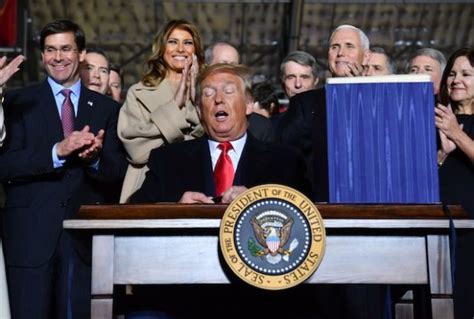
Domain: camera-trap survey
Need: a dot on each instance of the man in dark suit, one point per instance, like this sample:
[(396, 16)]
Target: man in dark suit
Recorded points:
[(184, 171), (61, 151), (304, 124)]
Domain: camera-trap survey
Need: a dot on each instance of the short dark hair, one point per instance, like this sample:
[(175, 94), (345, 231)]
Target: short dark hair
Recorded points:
[(265, 95), (98, 51), (116, 68), (64, 26), (390, 64)]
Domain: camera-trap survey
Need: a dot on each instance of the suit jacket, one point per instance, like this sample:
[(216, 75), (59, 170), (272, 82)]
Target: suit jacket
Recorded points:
[(148, 119), (40, 197), (187, 166), (304, 126)]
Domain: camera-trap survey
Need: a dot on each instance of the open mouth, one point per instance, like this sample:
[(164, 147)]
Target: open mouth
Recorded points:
[(221, 116)]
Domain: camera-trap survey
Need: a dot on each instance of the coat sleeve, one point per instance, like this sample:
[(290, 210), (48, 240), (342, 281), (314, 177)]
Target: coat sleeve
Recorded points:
[(148, 122), (112, 162), (20, 160), (295, 127)]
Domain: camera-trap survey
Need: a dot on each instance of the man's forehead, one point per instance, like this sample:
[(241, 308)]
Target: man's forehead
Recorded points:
[(224, 78), (295, 67), (377, 58), (346, 36)]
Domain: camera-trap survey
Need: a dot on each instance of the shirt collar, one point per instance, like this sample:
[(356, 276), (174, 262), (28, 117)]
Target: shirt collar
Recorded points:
[(75, 88), (237, 145)]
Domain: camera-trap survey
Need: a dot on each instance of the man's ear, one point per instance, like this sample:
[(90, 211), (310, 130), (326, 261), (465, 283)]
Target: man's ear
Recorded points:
[(249, 106), (82, 55), (365, 59), (316, 80)]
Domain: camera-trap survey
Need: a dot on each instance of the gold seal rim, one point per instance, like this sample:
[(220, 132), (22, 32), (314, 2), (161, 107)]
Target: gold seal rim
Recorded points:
[(262, 280)]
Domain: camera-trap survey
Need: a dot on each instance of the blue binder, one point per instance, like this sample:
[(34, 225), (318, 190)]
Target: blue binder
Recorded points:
[(381, 140)]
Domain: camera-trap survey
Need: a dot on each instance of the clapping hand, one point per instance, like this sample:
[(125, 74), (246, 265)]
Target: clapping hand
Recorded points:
[(187, 85)]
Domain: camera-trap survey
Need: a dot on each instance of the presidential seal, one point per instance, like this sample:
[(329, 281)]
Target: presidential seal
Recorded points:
[(272, 237)]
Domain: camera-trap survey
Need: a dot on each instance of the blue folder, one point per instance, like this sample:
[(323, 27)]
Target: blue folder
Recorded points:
[(381, 140)]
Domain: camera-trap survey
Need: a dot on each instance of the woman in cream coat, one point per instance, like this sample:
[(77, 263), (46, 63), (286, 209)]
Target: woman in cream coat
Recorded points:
[(160, 109)]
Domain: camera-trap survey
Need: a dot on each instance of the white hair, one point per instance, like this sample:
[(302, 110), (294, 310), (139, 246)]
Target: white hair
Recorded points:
[(364, 40)]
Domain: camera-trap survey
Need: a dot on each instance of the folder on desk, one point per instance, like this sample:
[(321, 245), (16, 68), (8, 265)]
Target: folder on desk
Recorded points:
[(381, 140)]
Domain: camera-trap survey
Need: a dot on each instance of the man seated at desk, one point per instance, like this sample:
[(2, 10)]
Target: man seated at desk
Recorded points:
[(227, 160)]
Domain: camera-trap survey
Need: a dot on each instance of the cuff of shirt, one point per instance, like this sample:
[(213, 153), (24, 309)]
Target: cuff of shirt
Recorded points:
[(54, 155)]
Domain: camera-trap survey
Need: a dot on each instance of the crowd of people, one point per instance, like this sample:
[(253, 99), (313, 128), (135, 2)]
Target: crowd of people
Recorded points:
[(196, 128)]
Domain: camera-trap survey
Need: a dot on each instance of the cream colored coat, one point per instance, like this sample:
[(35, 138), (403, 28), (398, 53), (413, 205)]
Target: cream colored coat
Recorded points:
[(148, 119)]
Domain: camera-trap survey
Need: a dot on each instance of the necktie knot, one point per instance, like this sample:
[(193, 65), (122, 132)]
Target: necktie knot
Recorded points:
[(66, 93), (225, 147)]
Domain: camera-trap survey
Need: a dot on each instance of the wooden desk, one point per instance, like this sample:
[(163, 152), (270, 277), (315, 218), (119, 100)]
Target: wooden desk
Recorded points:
[(178, 244)]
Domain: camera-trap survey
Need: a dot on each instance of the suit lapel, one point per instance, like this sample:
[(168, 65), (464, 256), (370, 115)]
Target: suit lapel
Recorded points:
[(85, 109), (49, 111), (251, 163), (199, 176)]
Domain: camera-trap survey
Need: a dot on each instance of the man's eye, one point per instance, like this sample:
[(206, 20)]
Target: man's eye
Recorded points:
[(208, 92), (104, 71)]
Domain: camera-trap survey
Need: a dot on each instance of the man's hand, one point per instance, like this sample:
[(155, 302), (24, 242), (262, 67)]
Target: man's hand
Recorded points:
[(90, 153), (230, 194), (355, 69), (195, 198), (6, 71), (75, 141)]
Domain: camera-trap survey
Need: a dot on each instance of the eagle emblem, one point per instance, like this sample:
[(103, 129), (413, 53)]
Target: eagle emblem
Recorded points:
[(272, 230)]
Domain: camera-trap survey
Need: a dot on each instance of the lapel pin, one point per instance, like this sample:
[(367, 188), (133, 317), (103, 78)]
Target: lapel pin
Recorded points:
[(90, 103)]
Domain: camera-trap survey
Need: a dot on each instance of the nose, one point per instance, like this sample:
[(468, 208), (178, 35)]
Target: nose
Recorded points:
[(180, 47), (298, 83), (341, 51), (57, 55), (218, 97), (95, 73)]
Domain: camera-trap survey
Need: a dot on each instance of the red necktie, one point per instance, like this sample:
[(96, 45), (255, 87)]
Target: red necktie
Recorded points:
[(224, 170), (67, 113)]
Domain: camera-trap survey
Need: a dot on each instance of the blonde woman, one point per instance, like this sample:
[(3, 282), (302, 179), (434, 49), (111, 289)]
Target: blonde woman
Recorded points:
[(160, 109)]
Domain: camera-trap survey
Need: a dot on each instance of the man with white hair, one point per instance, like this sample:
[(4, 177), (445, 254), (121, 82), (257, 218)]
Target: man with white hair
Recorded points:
[(348, 51), (304, 124)]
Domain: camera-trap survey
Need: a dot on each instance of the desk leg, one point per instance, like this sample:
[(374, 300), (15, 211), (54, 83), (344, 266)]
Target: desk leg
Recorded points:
[(102, 276), (440, 277)]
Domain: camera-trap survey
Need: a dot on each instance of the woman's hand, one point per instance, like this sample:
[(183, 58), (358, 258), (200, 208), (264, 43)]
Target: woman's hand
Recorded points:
[(446, 122), (448, 127), (187, 85), (193, 74)]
